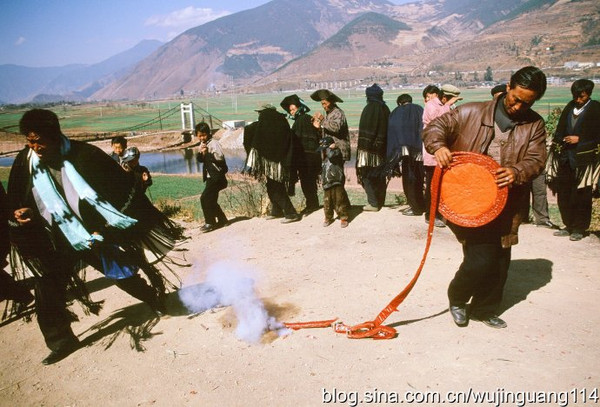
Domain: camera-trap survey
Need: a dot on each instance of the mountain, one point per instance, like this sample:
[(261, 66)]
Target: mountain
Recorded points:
[(286, 44), (239, 48), (19, 84)]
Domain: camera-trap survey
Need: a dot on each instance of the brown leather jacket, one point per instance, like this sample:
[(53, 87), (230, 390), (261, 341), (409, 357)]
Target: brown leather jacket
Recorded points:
[(470, 127)]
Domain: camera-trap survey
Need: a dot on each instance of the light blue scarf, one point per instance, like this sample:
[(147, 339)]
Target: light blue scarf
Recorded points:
[(59, 210)]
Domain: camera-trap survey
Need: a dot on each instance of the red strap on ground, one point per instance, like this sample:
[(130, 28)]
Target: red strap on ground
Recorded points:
[(374, 329)]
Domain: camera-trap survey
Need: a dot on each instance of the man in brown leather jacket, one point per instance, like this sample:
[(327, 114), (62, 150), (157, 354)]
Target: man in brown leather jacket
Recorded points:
[(512, 134)]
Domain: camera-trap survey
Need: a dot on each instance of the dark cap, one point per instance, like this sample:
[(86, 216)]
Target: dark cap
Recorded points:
[(325, 94), (325, 143)]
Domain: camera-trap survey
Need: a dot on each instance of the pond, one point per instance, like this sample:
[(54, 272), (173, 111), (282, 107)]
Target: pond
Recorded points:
[(181, 161)]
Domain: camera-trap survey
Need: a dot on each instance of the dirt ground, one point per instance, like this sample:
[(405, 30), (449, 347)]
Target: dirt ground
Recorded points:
[(305, 272)]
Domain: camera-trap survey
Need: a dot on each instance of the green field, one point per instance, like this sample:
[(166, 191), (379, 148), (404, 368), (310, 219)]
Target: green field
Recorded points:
[(116, 116)]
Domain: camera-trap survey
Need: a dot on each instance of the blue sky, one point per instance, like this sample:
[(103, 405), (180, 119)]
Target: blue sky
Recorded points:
[(43, 33)]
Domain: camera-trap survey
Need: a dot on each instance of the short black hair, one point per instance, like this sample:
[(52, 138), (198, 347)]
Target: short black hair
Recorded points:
[(431, 89), (580, 86), (404, 98), (532, 78), (498, 89), (202, 127), (40, 121), (119, 140)]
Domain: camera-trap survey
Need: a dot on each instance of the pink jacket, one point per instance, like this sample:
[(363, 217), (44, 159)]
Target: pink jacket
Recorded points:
[(433, 109)]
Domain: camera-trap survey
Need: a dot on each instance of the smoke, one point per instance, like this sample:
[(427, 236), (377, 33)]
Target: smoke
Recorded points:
[(228, 283)]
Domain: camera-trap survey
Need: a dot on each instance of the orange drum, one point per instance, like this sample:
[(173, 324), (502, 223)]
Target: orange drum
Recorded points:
[(469, 195)]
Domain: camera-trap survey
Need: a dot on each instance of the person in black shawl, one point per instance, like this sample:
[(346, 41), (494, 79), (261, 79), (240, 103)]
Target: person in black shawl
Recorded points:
[(404, 144), (308, 162), (73, 206), (371, 151), (573, 167), (270, 148), (10, 289)]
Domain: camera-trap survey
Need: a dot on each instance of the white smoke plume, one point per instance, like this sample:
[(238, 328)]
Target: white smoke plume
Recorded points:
[(231, 284)]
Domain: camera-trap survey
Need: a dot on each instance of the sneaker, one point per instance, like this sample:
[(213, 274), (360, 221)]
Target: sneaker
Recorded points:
[(293, 218), (369, 208), (546, 224), (438, 223), (327, 222), (344, 223), (271, 217), (207, 228), (576, 236), (410, 212), (561, 233)]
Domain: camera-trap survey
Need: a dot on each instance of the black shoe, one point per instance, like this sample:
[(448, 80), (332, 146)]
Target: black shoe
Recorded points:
[(576, 236), (459, 314), (61, 353), (294, 218), (547, 224), (410, 212), (562, 233), (207, 228), (492, 321)]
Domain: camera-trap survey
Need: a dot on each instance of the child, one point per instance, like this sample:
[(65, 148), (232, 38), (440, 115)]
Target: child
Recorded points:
[(130, 161), (213, 174), (333, 179), (118, 144)]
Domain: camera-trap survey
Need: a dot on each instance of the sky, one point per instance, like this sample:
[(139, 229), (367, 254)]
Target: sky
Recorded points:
[(42, 33)]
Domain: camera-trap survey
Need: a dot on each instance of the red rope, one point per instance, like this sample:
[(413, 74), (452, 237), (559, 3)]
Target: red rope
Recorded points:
[(374, 329)]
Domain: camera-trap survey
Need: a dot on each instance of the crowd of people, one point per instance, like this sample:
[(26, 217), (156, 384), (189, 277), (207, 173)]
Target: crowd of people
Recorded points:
[(65, 210)]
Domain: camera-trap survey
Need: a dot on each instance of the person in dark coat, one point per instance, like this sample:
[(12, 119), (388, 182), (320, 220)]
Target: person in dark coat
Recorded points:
[(214, 168), (574, 167), (71, 206), (270, 148), (10, 289), (371, 150), (308, 160), (404, 145)]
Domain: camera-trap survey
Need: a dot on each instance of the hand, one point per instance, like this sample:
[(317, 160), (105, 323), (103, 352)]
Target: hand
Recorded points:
[(23, 215), (571, 139), (504, 177), (443, 156)]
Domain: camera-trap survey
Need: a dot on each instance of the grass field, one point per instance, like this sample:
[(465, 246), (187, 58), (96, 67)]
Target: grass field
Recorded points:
[(114, 116)]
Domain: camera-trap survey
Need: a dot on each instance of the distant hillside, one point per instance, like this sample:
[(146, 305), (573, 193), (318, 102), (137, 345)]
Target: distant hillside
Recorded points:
[(239, 48), (19, 84)]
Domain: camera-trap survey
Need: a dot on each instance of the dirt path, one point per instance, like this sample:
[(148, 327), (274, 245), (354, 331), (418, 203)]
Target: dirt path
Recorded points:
[(306, 272)]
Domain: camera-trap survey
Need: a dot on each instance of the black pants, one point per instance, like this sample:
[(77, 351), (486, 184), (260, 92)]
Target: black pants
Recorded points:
[(575, 205), (281, 205), (308, 174), (412, 183), (53, 317), (481, 276), (213, 213), (429, 170), (375, 186)]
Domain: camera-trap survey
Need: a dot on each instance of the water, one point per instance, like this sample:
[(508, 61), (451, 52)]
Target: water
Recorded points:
[(173, 162)]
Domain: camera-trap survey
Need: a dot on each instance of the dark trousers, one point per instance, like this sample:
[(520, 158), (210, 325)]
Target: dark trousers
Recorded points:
[(308, 174), (336, 198), (375, 186), (575, 205), (481, 277), (281, 205), (429, 170), (213, 213), (53, 317), (539, 200), (412, 183)]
